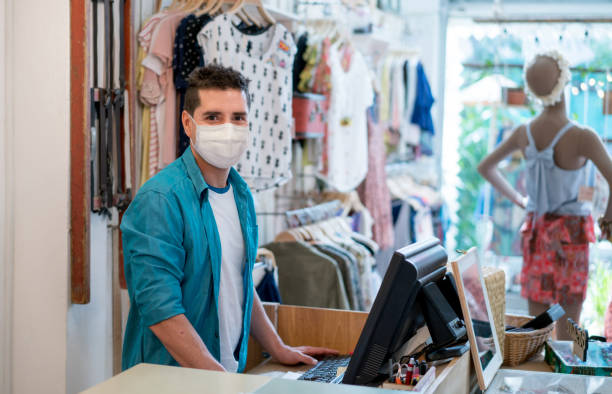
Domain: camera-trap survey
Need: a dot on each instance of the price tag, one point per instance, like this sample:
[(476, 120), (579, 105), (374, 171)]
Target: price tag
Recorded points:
[(586, 194)]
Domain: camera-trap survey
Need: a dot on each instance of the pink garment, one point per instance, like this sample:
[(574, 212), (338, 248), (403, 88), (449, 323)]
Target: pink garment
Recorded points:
[(397, 103), (146, 33), (150, 92), (159, 60), (321, 80), (373, 191), (153, 143), (608, 323)]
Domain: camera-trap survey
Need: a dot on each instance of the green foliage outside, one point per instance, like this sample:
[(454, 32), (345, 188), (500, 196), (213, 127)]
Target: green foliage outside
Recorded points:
[(598, 293), (472, 149)]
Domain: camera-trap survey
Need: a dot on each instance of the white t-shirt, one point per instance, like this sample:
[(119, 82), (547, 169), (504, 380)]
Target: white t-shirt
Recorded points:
[(231, 287), (267, 60), (347, 148)]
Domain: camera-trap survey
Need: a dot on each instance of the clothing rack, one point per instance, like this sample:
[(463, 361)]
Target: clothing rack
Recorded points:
[(510, 65)]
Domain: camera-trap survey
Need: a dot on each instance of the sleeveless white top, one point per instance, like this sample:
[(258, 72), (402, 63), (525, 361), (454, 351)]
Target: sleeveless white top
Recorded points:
[(552, 189)]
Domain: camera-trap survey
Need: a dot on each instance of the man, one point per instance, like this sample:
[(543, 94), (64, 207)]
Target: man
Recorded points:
[(190, 240)]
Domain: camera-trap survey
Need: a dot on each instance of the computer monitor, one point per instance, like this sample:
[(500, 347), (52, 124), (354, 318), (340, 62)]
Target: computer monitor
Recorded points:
[(395, 315)]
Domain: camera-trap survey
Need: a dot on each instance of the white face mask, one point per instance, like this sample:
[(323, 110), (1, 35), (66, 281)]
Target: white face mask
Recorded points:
[(221, 145)]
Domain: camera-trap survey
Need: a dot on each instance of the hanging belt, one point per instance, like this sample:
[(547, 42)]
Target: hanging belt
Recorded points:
[(121, 199), (96, 203), (106, 183), (107, 104)]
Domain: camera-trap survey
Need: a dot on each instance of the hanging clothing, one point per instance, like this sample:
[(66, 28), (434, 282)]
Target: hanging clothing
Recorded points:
[(308, 277), (267, 290), (347, 148), (608, 321), (424, 100), (187, 56), (266, 59), (399, 95), (556, 258), (403, 236), (149, 97), (365, 262), (299, 63), (384, 101), (552, 189), (310, 57), (321, 81), (146, 132), (374, 191), (159, 60), (348, 266)]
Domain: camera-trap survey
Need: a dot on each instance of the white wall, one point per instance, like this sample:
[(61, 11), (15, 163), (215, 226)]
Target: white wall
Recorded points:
[(89, 352), (39, 70)]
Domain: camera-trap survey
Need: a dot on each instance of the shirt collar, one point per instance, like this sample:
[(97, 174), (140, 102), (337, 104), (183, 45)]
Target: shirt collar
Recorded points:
[(195, 174)]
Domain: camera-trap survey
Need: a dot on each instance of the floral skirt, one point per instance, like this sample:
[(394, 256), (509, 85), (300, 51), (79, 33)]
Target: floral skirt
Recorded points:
[(556, 258)]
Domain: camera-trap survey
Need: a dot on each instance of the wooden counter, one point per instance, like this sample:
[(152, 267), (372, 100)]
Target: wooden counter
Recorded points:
[(297, 326)]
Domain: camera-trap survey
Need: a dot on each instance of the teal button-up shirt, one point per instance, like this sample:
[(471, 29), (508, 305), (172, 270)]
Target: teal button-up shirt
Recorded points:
[(172, 255)]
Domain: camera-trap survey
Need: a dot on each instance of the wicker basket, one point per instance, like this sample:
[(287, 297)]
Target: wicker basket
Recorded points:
[(495, 282), (521, 346)]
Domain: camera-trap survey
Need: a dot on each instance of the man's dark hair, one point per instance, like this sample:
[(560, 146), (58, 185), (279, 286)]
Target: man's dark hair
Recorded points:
[(213, 76)]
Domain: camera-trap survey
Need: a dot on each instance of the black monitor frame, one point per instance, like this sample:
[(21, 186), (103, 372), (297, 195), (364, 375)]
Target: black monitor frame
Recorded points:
[(396, 314)]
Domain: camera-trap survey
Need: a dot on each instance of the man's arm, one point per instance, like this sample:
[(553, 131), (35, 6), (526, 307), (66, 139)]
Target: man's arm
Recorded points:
[(263, 331), (184, 344)]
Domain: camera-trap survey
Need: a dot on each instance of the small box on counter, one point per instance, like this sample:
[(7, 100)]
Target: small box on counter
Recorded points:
[(560, 357)]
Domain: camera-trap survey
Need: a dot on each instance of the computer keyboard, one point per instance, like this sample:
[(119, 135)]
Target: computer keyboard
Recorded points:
[(326, 370)]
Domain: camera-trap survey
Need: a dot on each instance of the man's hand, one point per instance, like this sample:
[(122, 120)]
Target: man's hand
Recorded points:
[(302, 354), (263, 331)]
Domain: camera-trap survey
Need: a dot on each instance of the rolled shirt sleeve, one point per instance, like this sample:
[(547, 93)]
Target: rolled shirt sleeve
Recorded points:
[(154, 256)]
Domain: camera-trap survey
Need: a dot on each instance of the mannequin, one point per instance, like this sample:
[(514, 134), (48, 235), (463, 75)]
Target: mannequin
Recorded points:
[(558, 226)]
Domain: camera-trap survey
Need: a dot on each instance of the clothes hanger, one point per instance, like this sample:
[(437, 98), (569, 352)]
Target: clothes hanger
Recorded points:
[(210, 4), (174, 5), (255, 21), (184, 4), (263, 12), (217, 7), (235, 8), (321, 235), (286, 236), (268, 257), (193, 5), (246, 18), (307, 236)]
